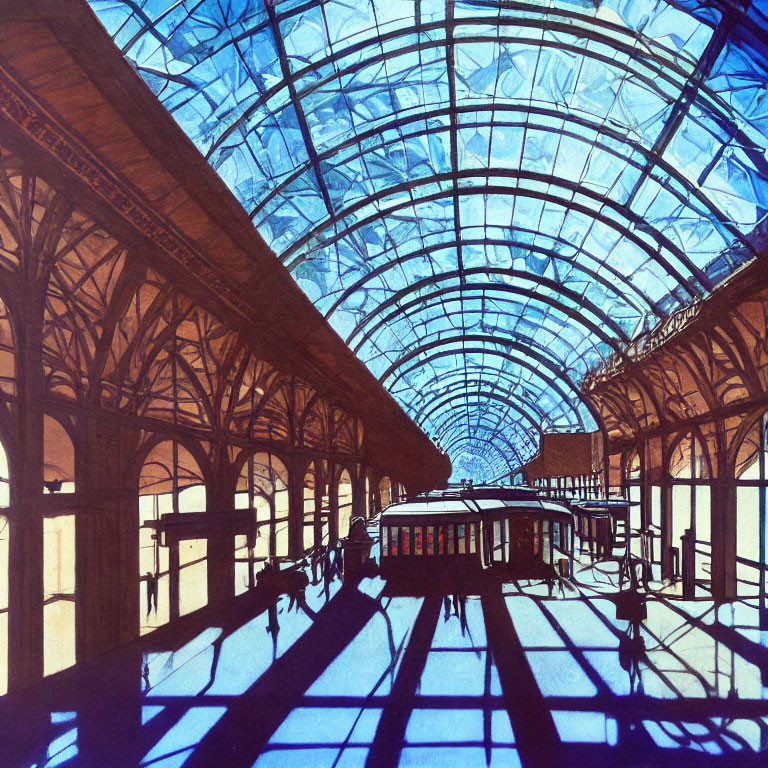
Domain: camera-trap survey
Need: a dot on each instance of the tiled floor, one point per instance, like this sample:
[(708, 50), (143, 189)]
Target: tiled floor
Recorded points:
[(514, 677)]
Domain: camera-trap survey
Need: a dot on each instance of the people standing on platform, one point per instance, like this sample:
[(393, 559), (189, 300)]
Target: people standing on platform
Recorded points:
[(330, 564), (152, 589)]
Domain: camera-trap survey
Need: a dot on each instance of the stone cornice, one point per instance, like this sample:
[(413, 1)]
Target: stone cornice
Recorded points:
[(18, 106)]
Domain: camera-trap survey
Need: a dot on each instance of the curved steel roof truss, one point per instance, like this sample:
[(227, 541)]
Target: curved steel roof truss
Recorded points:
[(560, 176)]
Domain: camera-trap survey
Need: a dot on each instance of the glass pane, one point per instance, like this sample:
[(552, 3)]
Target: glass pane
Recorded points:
[(58, 635)]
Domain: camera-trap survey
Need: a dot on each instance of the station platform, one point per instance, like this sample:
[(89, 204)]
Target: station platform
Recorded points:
[(520, 675)]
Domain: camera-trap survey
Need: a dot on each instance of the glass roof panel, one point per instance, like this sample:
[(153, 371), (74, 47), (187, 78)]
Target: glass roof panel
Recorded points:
[(474, 191)]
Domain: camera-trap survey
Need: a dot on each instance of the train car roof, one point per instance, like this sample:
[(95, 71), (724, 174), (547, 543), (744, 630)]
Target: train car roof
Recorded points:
[(508, 505), (604, 503), (558, 508), (471, 510), (424, 508)]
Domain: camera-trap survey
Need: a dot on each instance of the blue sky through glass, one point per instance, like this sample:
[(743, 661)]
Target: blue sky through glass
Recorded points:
[(485, 199)]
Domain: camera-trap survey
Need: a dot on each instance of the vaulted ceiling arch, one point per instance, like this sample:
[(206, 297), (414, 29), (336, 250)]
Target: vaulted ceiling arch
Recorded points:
[(399, 157), (539, 367)]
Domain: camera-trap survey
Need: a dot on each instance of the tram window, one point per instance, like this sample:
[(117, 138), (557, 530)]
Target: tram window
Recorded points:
[(449, 539), (555, 534), (394, 540), (536, 537), (418, 541), (472, 539), (385, 541), (461, 539), (440, 539), (405, 540), (430, 550)]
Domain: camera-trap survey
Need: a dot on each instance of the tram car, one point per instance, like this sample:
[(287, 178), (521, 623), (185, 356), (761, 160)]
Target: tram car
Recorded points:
[(513, 538), (601, 524), (526, 539), (443, 530)]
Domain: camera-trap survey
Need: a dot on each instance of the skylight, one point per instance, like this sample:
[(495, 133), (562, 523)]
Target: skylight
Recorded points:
[(486, 199)]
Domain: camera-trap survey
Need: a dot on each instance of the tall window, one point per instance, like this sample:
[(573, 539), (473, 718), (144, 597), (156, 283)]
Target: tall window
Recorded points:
[(59, 592), (688, 468), (385, 492), (59, 616), (322, 530), (173, 575), (751, 489), (310, 478), (345, 502), (262, 489), (632, 490), (316, 505)]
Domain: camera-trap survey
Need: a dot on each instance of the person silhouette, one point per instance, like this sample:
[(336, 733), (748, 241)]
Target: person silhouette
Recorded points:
[(151, 580), (631, 653)]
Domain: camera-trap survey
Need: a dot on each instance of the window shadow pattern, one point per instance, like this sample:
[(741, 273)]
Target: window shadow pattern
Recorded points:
[(515, 676)]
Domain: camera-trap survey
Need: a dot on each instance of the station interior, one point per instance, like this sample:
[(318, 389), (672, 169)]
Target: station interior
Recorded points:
[(274, 272)]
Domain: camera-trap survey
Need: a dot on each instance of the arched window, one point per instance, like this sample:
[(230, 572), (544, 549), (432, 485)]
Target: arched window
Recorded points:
[(345, 502), (751, 471), (316, 504), (173, 573), (263, 489), (385, 492), (59, 621), (688, 471), (59, 458)]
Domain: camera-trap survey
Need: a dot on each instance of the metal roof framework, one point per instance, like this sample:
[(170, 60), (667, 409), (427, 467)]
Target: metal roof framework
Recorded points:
[(503, 193)]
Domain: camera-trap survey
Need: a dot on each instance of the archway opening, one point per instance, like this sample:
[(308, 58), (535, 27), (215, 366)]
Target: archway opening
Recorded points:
[(751, 471), (689, 472), (345, 497), (385, 493), (59, 556), (262, 488), (173, 572)]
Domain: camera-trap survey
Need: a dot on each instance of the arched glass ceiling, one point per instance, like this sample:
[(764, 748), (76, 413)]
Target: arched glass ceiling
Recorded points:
[(487, 197)]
